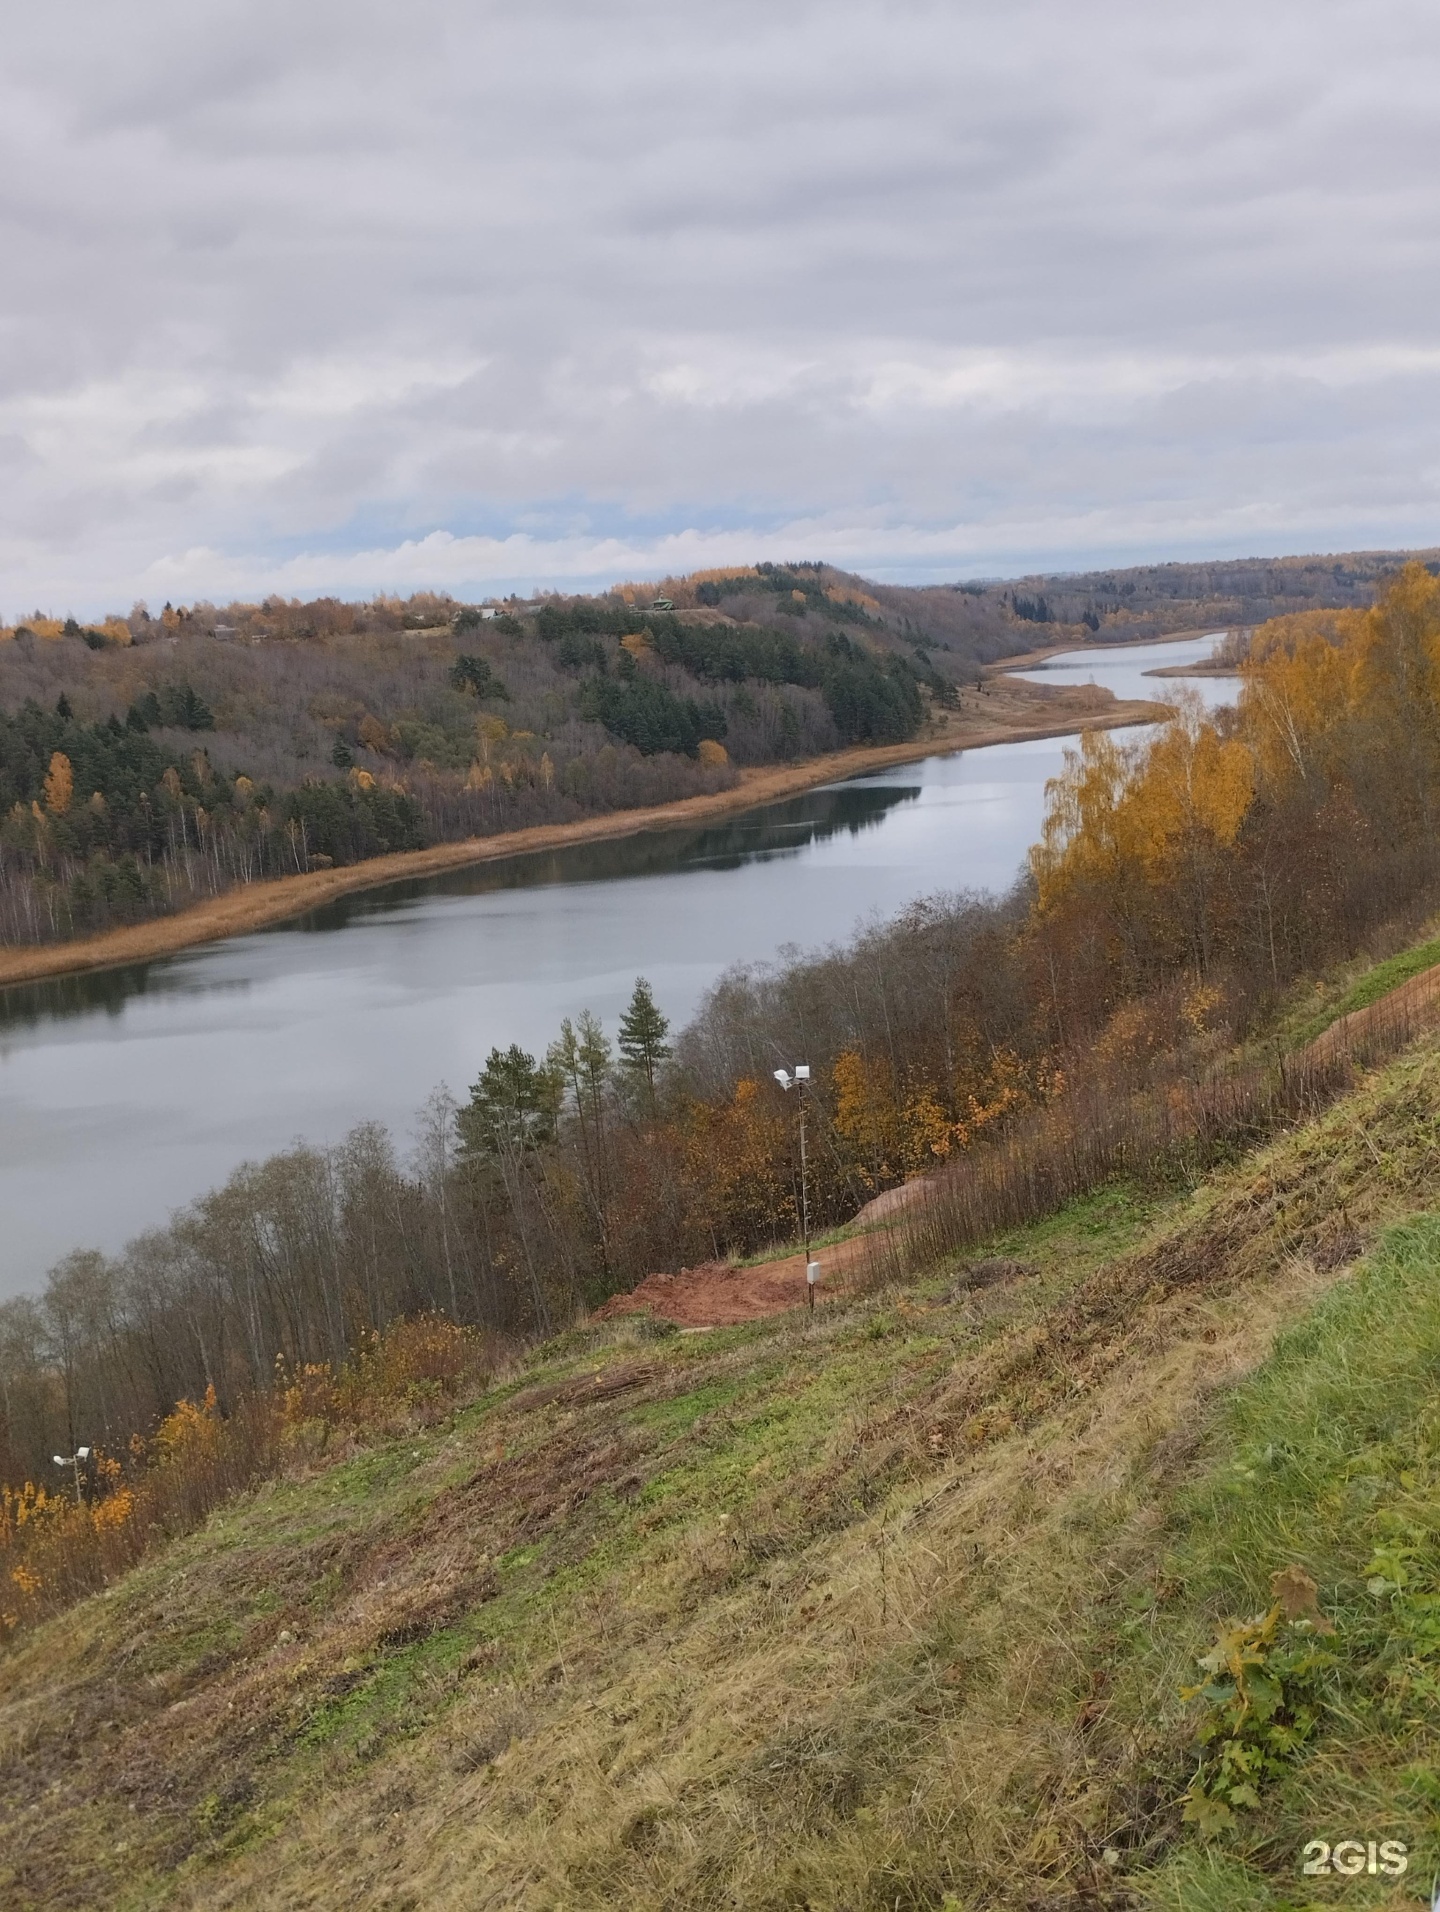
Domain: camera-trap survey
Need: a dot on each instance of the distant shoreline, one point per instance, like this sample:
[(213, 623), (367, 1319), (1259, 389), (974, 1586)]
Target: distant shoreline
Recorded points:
[(1015, 716), (1029, 659), (1194, 670)]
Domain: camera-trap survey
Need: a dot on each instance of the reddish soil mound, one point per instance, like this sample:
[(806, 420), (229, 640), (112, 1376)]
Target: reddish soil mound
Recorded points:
[(715, 1295)]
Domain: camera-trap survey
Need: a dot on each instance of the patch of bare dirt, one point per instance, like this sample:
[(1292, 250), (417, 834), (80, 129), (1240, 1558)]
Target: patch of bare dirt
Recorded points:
[(717, 1295)]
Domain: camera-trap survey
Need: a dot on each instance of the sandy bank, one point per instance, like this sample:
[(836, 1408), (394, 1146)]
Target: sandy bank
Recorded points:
[(1007, 711)]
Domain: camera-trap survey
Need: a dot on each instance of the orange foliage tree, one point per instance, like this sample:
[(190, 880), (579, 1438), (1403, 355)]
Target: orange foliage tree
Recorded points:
[(1140, 841), (738, 1158), (1251, 838), (59, 784), (55, 1548)]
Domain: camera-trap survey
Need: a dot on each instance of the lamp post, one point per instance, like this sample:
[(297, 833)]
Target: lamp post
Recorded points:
[(74, 1460), (800, 1082)]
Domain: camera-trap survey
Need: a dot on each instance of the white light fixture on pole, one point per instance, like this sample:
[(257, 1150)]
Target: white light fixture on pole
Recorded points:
[(800, 1082), (74, 1460)]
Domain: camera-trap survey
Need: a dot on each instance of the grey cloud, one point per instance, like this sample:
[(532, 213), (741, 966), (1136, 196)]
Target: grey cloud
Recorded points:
[(951, 287)]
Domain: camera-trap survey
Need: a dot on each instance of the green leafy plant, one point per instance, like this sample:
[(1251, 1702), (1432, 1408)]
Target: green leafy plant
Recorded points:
[(1261, 1701), (1402, 1575)]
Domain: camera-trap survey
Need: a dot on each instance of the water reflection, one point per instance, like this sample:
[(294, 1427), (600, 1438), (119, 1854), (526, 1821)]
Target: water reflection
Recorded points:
[(127, 1092), (23, 1005), (784, 829)]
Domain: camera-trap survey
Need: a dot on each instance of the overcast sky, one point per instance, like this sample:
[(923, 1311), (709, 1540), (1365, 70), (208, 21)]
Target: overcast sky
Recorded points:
[(344, 297)]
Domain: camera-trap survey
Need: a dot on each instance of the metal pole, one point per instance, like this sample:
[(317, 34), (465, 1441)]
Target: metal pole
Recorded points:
[(805, 1203), (76, 1459)]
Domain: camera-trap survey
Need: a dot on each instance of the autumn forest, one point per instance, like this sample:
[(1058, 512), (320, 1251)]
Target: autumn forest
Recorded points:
[(1181, 888), (146, 763), (150, 762)]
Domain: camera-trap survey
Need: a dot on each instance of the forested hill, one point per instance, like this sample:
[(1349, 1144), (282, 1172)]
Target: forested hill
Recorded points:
[(147, 762), (995, 619)]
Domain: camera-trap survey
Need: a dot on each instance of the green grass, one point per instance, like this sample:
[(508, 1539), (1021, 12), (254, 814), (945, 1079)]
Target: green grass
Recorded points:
[(1329, 1459), (1366, 988), (785, 1622), (389, 1698), (679, 1414), (783, 1250)]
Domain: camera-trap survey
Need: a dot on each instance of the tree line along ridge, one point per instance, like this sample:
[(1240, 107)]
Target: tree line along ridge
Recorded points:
[(145, 764)]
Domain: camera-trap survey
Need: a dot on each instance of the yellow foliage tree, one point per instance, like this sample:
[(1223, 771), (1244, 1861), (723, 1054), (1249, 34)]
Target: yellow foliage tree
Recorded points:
[(1082, 840), (738, 1156), (890, 1131), (59, 785), (1398, 687), (1195, 785), (866, 1118), (1142, 837), (1325, 690), (1298, 693), (191, 1428)]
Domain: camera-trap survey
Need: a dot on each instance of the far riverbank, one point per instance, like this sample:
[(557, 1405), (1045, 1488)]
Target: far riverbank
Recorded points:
[(1076, 653), (1008, 710)]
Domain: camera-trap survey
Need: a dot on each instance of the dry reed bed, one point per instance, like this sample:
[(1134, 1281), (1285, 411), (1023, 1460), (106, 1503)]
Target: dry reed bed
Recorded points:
[(1094, 1135)]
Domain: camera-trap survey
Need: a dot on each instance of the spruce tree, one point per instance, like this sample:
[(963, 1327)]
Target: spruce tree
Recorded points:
[(641, 1042)]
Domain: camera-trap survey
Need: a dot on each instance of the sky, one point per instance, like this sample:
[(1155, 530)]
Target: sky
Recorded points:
[(315, 297)]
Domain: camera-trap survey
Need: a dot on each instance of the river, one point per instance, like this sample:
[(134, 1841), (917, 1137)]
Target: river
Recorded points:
[(125, 1094)]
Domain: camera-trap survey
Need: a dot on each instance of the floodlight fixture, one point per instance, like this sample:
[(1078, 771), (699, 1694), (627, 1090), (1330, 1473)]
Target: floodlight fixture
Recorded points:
[(74, 1460), (800, 1081)]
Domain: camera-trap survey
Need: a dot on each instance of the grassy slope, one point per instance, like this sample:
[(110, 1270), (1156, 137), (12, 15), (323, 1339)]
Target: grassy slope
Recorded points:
[(1357, 985), (888, 1612)]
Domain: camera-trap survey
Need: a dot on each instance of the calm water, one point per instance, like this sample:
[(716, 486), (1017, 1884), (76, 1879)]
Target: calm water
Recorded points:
[(125, 1095)]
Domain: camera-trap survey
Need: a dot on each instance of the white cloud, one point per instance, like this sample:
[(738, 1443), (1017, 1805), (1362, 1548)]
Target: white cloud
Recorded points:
[(316, 298)]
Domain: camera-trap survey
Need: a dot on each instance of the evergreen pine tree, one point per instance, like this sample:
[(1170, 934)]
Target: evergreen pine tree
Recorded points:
[(513, 1106), (641, 1042)]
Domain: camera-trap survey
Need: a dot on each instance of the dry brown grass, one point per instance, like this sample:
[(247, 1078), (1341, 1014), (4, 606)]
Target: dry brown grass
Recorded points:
[(1403, 1011), (773, 1618)]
